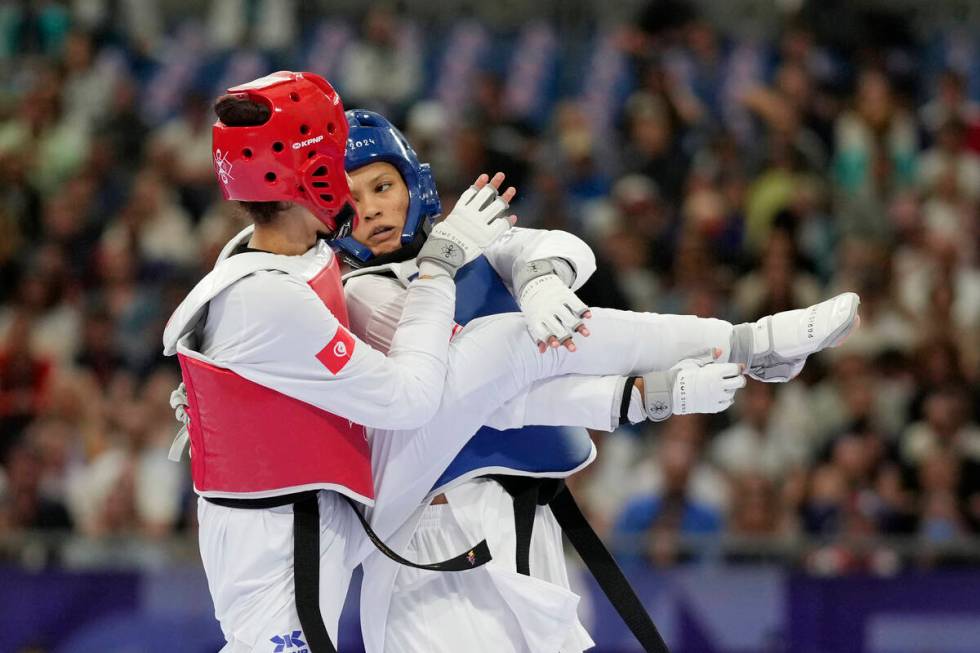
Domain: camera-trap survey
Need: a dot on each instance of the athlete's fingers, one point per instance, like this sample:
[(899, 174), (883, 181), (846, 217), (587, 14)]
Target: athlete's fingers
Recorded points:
[(509, 194), (497, 179), (584, 330), (481, 181)]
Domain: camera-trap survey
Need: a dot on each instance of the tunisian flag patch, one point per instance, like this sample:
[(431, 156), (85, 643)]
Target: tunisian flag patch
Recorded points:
[(338, 351)]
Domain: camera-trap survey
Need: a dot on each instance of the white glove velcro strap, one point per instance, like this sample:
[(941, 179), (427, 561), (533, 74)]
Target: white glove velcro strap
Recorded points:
[(532, 270), (443, 250), (658, 394)]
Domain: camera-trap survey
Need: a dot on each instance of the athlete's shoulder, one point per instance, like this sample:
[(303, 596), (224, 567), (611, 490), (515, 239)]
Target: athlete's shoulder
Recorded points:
[(371, 289)]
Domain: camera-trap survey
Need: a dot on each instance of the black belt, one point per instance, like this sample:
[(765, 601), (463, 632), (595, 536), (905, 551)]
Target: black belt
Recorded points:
[(306, 557), (528, 493)]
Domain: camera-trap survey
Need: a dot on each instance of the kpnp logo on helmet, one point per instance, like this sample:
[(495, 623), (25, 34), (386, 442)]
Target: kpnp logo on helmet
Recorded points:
[(309, 141)]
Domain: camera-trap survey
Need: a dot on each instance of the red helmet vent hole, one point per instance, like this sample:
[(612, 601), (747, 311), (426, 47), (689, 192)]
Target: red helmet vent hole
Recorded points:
[(270, 177), (247, 153), (300, 189), (319, 172), (331, 127), (294, 96), (278, 146), (326, 198), (321, 184), (303, 129), (311, 154)]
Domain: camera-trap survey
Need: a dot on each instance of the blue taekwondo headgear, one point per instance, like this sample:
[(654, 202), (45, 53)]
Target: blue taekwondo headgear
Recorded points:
[(373, 138)]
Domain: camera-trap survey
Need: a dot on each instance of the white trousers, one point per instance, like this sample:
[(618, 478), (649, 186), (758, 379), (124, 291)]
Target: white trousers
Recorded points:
[(492, 609), (248, 559)]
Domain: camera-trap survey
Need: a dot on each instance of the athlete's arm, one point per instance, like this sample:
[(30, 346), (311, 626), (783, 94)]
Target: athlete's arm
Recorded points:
[(518, 247), (280, 335), (374, 305)]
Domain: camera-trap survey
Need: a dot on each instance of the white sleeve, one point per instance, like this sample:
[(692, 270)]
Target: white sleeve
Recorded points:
[(375, 304), (273, 329), (590, 402), (518, 246)]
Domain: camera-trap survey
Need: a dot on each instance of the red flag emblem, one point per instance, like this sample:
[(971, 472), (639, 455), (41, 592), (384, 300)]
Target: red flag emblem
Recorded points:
[(338, 351)]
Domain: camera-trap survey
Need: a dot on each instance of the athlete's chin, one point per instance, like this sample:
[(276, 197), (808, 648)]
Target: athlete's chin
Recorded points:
[(386, 247)]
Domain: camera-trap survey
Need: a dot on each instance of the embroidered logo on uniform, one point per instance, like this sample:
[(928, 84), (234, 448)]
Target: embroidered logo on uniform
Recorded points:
[(338, 351), (222, 166), (289, 641)]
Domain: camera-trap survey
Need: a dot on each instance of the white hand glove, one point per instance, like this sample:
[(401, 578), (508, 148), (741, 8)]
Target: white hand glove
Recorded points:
[(475, 222), (549, 305), (691, 386), (178, 401), (774, 348)]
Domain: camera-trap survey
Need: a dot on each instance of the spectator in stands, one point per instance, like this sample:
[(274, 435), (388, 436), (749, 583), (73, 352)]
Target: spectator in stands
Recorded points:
[(28, 508), (950, 103), (382, 70), (757, 444), (651, 524)]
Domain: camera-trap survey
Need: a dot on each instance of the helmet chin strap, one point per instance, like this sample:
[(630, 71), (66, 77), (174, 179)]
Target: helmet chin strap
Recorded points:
[(407, 251)]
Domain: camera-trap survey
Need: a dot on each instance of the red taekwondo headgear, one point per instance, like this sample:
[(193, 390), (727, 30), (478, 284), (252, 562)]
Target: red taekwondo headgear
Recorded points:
[(295, 156)]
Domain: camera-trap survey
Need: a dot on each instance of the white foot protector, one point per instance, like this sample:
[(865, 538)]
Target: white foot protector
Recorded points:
[(775, 348)]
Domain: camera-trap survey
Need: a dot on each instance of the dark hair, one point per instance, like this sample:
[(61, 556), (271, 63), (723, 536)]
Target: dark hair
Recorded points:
[(238, 111)]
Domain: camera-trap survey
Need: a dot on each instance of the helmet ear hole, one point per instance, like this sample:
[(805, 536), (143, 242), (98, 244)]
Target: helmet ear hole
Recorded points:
[(247, 153), (303, 129), (270, 177), (278, 146)]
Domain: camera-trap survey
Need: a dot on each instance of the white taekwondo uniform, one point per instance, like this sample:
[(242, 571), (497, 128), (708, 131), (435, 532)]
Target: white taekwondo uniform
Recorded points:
[(493, 608)]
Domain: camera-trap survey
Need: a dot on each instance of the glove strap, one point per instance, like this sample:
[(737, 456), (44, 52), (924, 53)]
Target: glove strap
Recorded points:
[(442, 252), (531, 271), (658, 394)]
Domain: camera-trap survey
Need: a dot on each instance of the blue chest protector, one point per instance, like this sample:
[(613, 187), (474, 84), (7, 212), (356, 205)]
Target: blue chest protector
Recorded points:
[(540, 451)]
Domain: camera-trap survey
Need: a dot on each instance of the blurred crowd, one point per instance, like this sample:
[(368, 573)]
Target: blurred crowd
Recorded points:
[(715, 175)]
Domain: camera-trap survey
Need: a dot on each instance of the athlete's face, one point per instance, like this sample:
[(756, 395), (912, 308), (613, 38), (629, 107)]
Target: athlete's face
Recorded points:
[(382, 204)]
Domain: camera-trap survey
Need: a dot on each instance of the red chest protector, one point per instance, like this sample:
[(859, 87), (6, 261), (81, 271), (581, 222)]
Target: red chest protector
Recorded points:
[(250, 441)]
